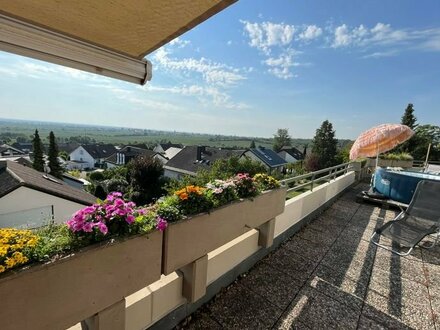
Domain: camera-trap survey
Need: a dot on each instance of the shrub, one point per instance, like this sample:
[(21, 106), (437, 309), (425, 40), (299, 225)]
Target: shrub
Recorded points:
[(168, 209), (96, 176)]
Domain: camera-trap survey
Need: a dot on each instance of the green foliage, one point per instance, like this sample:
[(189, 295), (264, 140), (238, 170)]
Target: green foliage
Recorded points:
[(410, 120), (116, 184), (75, 173), (64, 155), (100, 192), (425, 135), (38, 163), (54, 240), (396, 156), (116, 172), (281, 139), (168, 209), (54, 164), (295, 169), (226, 168), (325, 146), (145, 179), (97, 176), (252, 145)]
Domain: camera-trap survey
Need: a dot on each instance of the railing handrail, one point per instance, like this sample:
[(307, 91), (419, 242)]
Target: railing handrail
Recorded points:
[(332, 173)]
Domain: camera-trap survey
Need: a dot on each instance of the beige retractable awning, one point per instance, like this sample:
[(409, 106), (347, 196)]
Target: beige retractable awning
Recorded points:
[(108, 37)]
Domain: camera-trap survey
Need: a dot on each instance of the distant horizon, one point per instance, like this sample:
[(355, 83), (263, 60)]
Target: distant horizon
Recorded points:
[(137, 128)]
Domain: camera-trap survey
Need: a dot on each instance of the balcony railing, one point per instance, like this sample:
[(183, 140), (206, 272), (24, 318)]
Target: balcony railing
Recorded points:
[(313, 179)]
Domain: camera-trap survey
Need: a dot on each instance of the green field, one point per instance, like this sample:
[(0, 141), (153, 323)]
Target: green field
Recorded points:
[(10, 130)]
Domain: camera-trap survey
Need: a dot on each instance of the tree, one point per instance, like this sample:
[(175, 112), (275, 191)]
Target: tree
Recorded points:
[(145, 179), (409, 120), (425, 135), (325, 145), (281, 139), (252, 146), (54, 164), (38, 163)]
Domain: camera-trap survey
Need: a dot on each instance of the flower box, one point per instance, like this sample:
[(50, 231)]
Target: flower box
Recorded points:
[(188, 240), (58, 295)]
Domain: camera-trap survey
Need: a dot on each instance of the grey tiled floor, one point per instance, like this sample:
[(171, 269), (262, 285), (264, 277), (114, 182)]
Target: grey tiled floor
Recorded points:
[(328, 276)]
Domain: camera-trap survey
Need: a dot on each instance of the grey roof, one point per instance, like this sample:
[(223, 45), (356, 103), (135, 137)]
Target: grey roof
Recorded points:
[(6, 147), (186, 159), (295, 153), (131, 152), (99, 150), (166, 146), (14, 175), (268, 156)]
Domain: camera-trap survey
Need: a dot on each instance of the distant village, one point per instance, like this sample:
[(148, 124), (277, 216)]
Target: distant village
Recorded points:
[(28, 197)]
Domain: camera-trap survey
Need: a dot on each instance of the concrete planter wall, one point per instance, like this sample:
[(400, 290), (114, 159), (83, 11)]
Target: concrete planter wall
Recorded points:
[(62, 293), (189, 240)]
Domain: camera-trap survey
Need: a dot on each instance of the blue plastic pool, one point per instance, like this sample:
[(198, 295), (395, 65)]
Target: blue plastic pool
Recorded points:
[(399, 185)]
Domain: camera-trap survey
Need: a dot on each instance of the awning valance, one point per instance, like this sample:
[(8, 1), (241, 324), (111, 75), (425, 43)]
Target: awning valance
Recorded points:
[(105, 37)]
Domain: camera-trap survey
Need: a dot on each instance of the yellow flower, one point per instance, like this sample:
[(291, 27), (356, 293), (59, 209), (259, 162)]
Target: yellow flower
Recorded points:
[(2, 268)]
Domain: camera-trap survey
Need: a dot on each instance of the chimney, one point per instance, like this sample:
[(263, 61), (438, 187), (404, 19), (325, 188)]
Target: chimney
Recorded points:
[(200, 150)]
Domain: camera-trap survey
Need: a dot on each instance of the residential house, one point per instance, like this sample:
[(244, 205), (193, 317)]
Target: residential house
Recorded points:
[(291, 154), (267, 157), (127, 153), (88, 156), (163, 147), (9, 151), (29, 198), (26, 147), (193, 158)]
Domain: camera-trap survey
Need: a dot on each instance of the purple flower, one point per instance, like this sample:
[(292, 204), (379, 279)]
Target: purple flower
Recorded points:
[(102, 228), (88, 227), (161, 224), (130, 219)]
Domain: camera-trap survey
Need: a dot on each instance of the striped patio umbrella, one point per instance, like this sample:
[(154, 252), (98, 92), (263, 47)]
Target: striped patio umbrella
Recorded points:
[(380, 139)]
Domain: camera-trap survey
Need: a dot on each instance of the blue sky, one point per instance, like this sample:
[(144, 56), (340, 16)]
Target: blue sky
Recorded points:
[(257, 66)]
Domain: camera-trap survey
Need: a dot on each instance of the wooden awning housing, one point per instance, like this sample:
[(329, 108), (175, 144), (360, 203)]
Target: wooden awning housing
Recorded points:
[(100, 36)]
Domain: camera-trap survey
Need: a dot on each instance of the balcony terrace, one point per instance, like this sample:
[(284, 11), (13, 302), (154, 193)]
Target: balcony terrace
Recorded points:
[(328, 275)]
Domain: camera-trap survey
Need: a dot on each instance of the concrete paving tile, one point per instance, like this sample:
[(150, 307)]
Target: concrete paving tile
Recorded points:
[(399, 290), (306, 248), (407, 267), (432, 273), (291, 263), (343, 254), (434, 297), (417, 315), (339, 286), (239, 308), (431, 256), (277, 287), (376, 320), (317, 236), (318, 311)]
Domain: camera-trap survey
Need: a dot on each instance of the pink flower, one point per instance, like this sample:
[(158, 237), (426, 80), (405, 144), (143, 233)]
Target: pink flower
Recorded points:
[(102, 228), (130, 219), (88, 227), (161, 224)]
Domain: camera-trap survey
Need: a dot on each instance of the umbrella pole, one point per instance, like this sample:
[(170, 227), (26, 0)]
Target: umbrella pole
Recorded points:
[(427, 156)]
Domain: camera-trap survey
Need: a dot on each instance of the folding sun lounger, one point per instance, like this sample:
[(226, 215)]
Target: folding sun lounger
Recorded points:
[(420, 219)]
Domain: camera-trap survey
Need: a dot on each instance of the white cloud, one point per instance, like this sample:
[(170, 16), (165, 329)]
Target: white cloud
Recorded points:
[(280, 66), (275, 41), (310, 32), (212, 72), (229, 43), (265, 35), (179, 42), (383, 35)]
